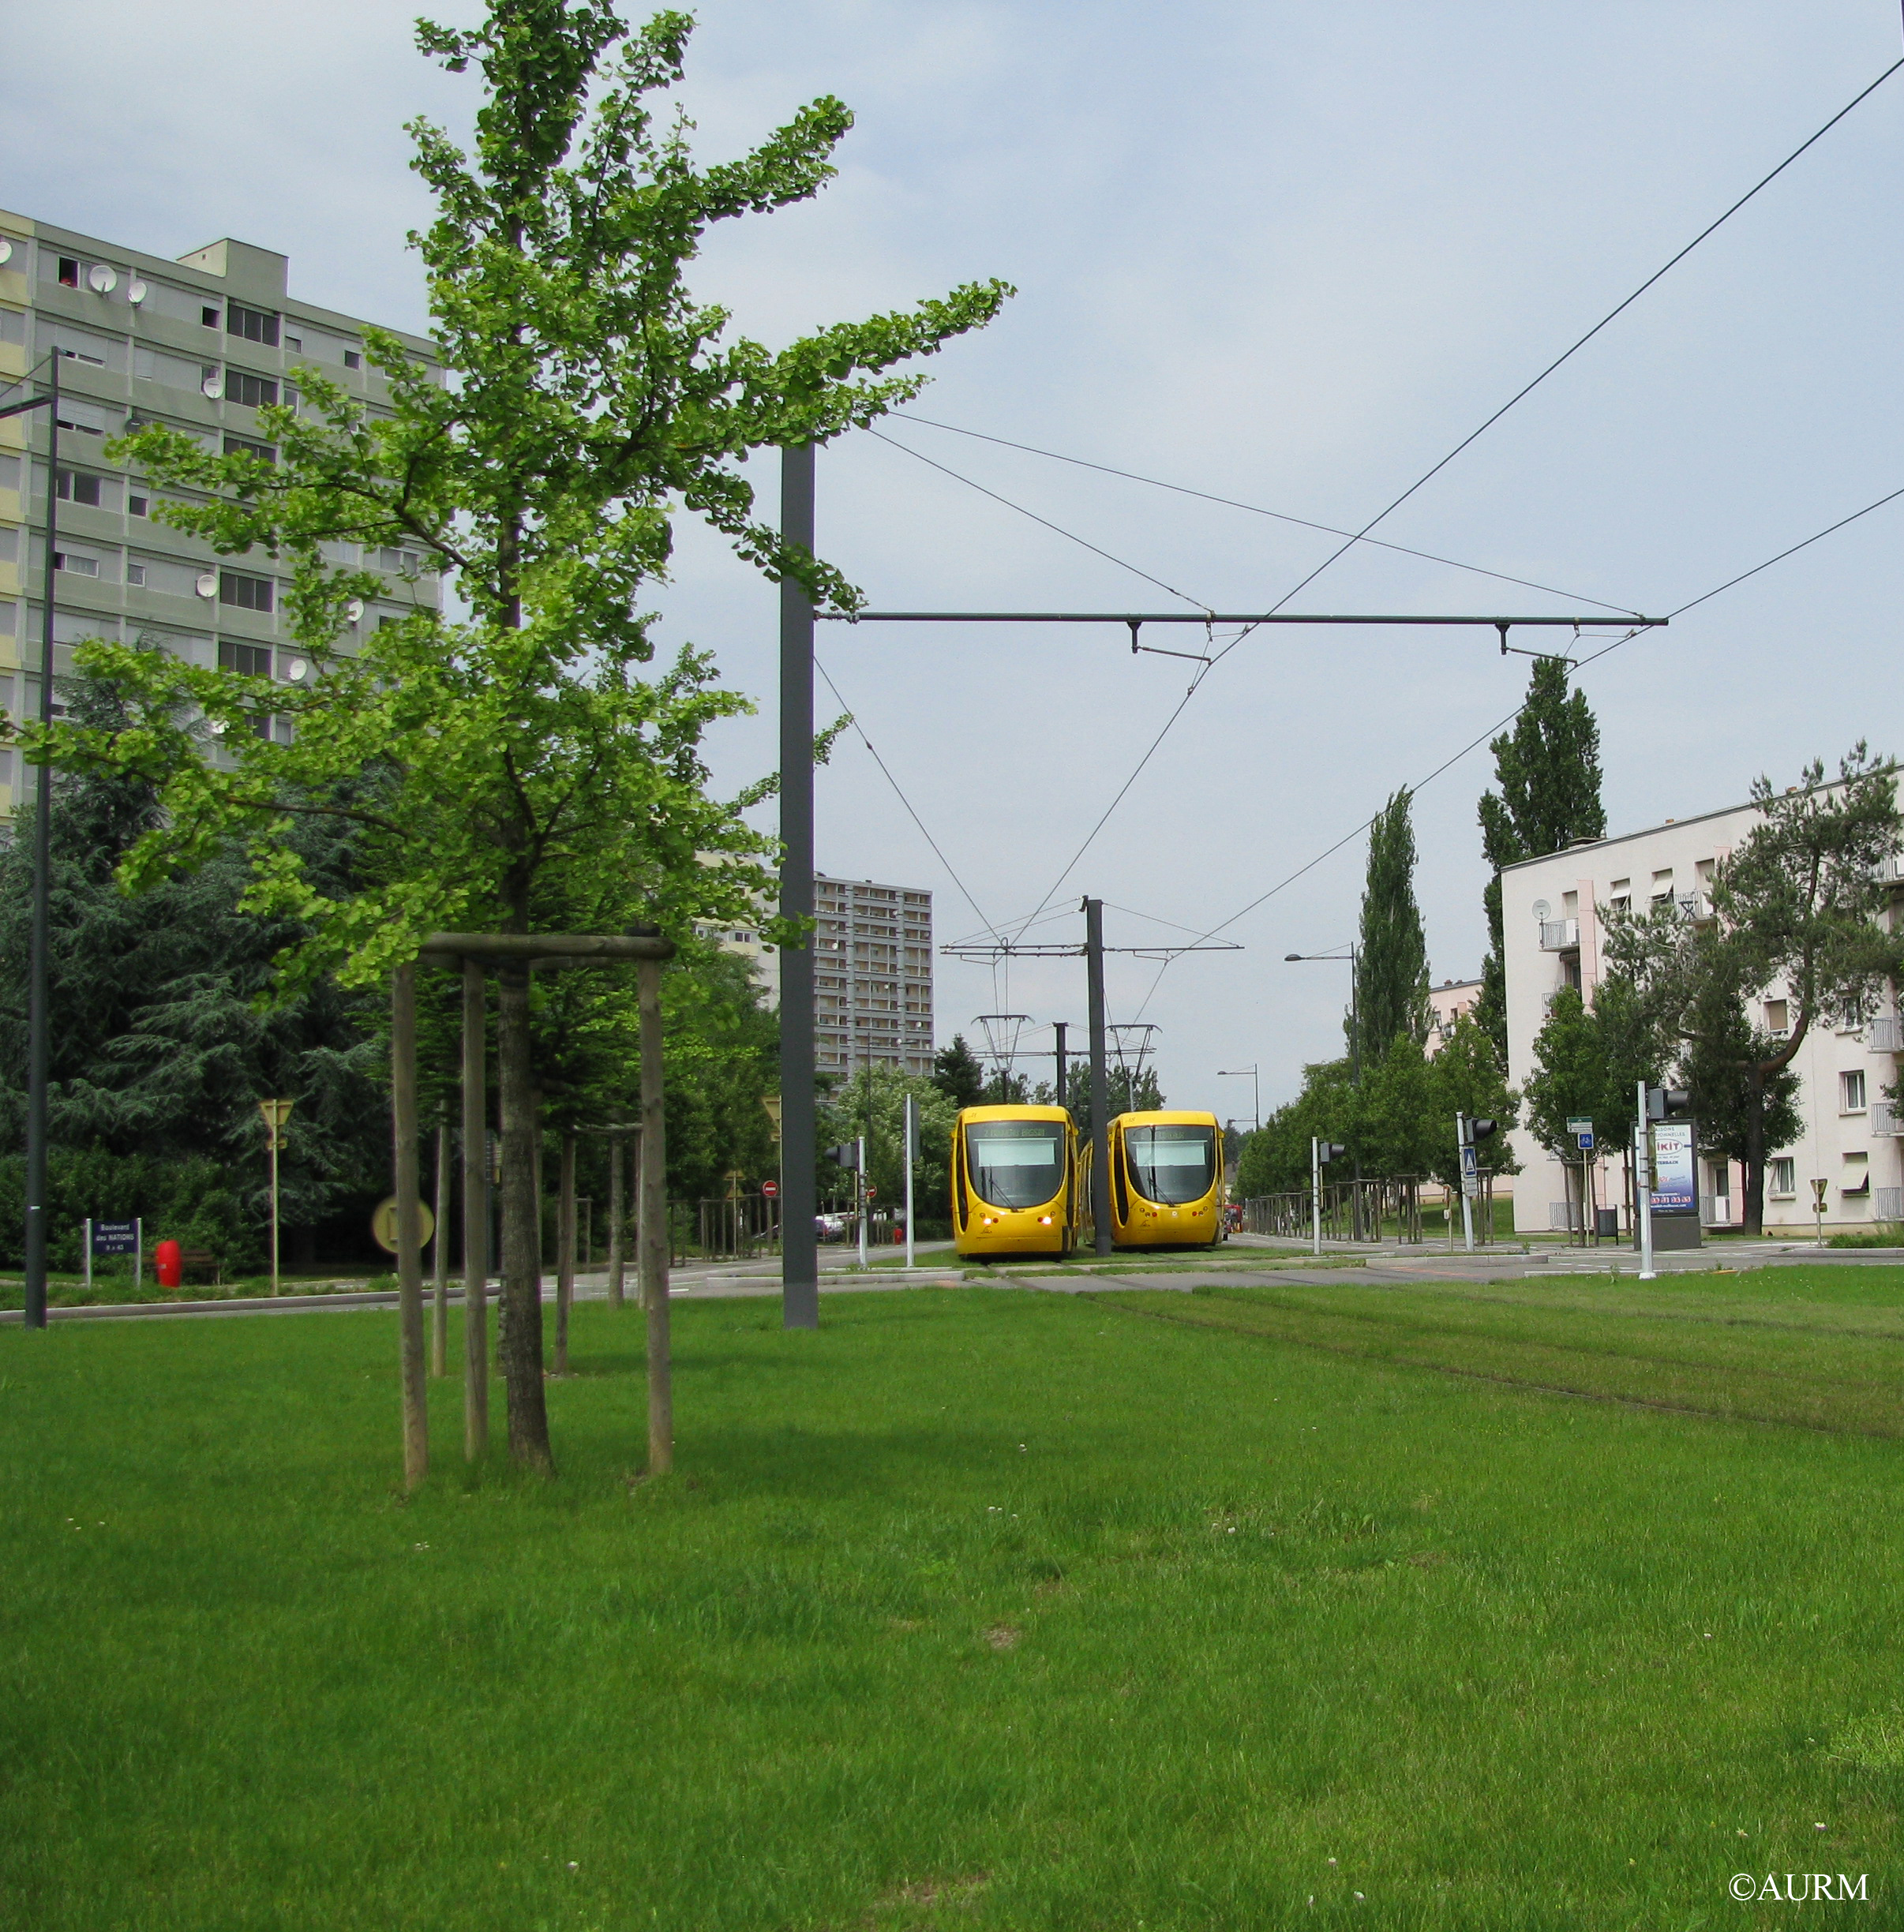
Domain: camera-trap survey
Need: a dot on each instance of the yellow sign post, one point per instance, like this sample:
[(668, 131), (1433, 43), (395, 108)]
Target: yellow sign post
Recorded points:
[(277, 1116)]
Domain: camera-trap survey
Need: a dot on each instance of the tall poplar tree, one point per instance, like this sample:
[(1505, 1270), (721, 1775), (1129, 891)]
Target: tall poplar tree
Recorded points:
[(1391, 970), (530, 766), (1548, 768)]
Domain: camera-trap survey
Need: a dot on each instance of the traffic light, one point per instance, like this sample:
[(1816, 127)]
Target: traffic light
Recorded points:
[(847, 1155), (1480, 1130), (1328, 1151), (1661, 1101)]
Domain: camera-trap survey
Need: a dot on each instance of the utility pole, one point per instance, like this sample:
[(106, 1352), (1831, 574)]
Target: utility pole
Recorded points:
[(1469, 1165), (1315, 1196), (909, 1134), (1060, 1028), (1643, 1181), (1101, 1085), (799, 1252), (861, 1196)]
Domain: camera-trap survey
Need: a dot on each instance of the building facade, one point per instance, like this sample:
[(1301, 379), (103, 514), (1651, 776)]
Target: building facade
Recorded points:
[(872, 976), (199, 344), (1446, 1003), (1552, 936)]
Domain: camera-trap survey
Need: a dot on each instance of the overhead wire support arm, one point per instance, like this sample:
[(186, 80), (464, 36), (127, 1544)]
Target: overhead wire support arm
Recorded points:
[(1134, 620)]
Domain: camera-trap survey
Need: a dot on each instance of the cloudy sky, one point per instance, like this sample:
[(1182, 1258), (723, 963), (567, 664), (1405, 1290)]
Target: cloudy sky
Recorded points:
[(1285, 254)]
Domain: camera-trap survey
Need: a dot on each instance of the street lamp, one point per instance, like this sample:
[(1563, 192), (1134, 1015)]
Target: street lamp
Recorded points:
[(39, 1032), (1255, 1088), (1355, 966)]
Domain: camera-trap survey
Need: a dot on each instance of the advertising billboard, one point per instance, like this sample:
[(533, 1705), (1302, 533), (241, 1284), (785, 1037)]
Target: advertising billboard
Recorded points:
[(1676, 1188)]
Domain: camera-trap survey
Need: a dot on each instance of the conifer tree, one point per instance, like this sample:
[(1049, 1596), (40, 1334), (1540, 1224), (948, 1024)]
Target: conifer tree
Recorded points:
[(1548, 768), (1391, 970)]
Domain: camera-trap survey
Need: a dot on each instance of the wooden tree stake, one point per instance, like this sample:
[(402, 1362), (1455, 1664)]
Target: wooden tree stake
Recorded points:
[(409, 1222), (654, 1234)]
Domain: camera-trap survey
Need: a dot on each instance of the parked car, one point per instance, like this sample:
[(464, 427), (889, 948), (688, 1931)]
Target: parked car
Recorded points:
[(830, 1227)]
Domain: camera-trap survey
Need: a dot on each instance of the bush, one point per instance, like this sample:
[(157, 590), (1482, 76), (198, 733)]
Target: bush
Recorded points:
[(1887, 1235), (191, 1202)]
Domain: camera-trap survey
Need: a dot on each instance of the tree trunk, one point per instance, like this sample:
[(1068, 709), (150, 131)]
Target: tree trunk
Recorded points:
[(475, 1218), (1755, 1150), (521, 1290), (565, 1249), (654, 1237), (439, 1256), (616, 1265), (409, 1222)]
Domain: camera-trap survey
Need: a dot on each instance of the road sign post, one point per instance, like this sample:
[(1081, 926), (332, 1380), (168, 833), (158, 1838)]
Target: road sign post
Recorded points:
[(1643, 1181), (909, 1138), (276, 1114)]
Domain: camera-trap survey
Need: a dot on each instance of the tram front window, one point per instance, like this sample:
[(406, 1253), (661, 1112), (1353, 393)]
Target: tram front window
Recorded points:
[(1015, 1163), (1171, 1164)]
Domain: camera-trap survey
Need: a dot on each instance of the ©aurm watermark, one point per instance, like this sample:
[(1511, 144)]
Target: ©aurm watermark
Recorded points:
[(1799, 1888)]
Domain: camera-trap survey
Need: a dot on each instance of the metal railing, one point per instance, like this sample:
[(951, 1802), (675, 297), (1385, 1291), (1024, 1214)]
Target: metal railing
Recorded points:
[(1884, 1124), (1560, 935), (1885, 1034), (1368, 1210)]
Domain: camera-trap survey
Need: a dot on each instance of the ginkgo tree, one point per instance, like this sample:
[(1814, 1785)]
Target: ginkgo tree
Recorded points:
[(515, 755)]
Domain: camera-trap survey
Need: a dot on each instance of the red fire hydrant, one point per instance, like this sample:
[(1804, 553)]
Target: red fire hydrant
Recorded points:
[(168, 1263)]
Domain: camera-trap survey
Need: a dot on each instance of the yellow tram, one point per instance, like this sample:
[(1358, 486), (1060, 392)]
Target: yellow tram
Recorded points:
[(1014, 1181), (1166, 1180)]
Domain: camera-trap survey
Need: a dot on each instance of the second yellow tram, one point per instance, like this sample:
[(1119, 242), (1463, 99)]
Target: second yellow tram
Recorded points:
[(1166, 1180), (1014, 1181)]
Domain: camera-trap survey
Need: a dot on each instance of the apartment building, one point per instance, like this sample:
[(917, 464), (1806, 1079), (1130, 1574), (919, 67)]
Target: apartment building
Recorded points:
[(1552, 937), (872, 976), (1446, 1004), (199, 343)]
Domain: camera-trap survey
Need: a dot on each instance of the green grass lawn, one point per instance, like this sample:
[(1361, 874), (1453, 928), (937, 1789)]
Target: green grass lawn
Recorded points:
[(980, 1609)]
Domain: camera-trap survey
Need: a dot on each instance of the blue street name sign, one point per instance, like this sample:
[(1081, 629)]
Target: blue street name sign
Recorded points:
[(115, 1238)]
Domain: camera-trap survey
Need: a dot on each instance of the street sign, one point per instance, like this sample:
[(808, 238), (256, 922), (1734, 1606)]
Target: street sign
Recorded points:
[(1576, 1125), (871, 1190), (115, 1238), (1470, 1172), (769, 1189), (383, 1224), (1585, 1141)]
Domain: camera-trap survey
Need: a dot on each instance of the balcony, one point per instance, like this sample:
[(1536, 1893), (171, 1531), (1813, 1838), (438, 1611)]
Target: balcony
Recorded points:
[(1890, 870), (1885, 1035), (1883, 1123), (1560, 935)]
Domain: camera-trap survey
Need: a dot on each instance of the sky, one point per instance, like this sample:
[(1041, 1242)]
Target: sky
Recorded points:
[(1284, 254)]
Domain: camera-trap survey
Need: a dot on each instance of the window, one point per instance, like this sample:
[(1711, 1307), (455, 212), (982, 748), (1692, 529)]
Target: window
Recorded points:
[(1784, 1176), (78, 566), (353, 360), (135, 573), (248, 660), (1778, 1019), (244, 446), (208, 315), (1851, 1091), (136, 506), (76, 486), (258, 325), (253, 391), (244, 591), (82, 355), (294, 342), (68, 272)]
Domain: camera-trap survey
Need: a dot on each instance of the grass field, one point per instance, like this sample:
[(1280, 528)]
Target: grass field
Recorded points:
[(979, 1609)]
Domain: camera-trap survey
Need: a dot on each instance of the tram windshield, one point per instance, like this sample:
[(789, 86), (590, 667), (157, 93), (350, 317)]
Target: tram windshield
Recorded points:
[(1172, 1164), (1015, 1163)]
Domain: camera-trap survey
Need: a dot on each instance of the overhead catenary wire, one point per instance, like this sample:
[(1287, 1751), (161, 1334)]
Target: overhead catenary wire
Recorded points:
[(1280, 516), (1494, 731), (1526, 389), (1196, 603)]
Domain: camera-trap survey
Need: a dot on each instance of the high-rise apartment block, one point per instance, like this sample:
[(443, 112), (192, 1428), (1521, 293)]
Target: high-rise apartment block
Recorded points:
[(199, 343), (872, 976)]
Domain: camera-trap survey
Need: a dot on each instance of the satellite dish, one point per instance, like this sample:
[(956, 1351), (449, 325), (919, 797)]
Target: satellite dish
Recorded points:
[(6, 249), (207, 585), (213, 385), (297, 670), (1542, 910), (101, 279), (136, 291), (354, 610)]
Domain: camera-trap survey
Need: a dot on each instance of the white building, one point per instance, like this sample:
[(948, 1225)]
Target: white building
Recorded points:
[(1551, 937), (1447, 1002)]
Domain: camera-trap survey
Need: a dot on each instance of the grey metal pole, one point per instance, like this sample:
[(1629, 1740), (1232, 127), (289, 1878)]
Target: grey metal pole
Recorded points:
[(1642, 1192), (909, 1136), (39, 1018), (1315, 1195), (1468, 1205), (1355, 1054), (1060, 1028), (617, 1264), (654, 1241), (1101, 1085), (859, 1189), (475, 1215), (799, 1249)]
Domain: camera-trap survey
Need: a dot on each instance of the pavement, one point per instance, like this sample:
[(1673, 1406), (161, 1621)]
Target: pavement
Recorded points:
[(1283, 1265)]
